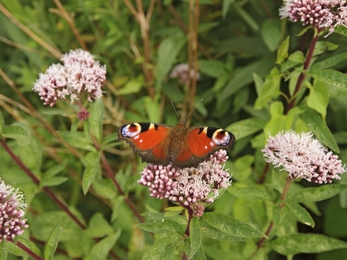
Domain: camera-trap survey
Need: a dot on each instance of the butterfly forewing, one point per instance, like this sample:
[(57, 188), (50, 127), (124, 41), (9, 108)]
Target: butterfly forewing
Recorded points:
[(148, 140)]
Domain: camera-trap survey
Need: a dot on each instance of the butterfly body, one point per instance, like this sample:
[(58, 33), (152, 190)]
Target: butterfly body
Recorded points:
[(184, 147)]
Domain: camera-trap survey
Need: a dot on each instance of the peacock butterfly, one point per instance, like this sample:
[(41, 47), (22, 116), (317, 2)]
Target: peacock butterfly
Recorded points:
[(184, 147)]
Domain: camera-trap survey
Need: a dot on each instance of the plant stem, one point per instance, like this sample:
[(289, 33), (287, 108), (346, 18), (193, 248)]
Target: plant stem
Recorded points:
[(270, 227), (303, 74), (26, 249), (37, 181)]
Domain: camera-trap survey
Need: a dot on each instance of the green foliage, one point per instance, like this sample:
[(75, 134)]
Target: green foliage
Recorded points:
[(259, 75)]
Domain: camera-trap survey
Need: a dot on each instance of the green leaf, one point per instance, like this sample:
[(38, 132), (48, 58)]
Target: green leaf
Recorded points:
[(246, 127), (2, 123), (162, 227), (250, 193), (330, 76), (222, 227), (15, 132), (52, 181), (317, 193), (297, 57), (318, 99), (329, 62), (305, 243), (226, 6), (152, 109), (317, 125), (167, 52), (132, 86), (271, 33), (341, 30), (282, 53), (3, 248), (195, 237), (98, 226), (13, 249), (105, 188), (91, 171), (243, 167), (54, 170), (322, 46), (270, 89), (77, 140), (162, 249), (213, 68), (95, 118), (300, 213), (100, 251), (52, 242), (199, 255)]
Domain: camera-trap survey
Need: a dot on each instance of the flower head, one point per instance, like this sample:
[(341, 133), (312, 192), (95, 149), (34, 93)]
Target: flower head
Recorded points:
[(303, 157), (189, 187), (80, 73), (11, 212), (321, 14), (183, 73)]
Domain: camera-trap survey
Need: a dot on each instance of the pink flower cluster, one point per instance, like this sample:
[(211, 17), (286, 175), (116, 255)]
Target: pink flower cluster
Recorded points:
[(80, 73), (325, 14), (189, 187), (184, 73), (11, 212), (303, 157)]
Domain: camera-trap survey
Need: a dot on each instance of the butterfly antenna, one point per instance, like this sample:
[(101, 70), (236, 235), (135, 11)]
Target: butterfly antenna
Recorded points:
[(179, 119), (193, 109)]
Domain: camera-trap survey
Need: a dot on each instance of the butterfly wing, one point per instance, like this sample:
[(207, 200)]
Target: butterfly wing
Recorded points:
[(200, 142), (148, 140)]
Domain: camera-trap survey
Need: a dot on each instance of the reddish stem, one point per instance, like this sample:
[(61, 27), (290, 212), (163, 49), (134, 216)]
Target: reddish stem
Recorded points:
[(303, 74), (26, 250), (61, 204)]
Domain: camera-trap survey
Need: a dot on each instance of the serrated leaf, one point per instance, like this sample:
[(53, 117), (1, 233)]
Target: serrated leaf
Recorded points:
[(318, 126), (105, 188), (163, 226), (305, 243), (249, 193), (282, 53), (100, 251), (15, 132), (297, 57), (318, 99), (330, 76), (52, 242), (95, 119), (329, 62), (219, 226), (246, 127), (91, 171), (162, 249), (316, 194), (199, 255), (195, 237), (300, 213)]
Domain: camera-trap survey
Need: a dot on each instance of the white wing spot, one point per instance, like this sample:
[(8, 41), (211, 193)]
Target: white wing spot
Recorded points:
[(141, 141), (136, 137), (205, 147), (212, 144)]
